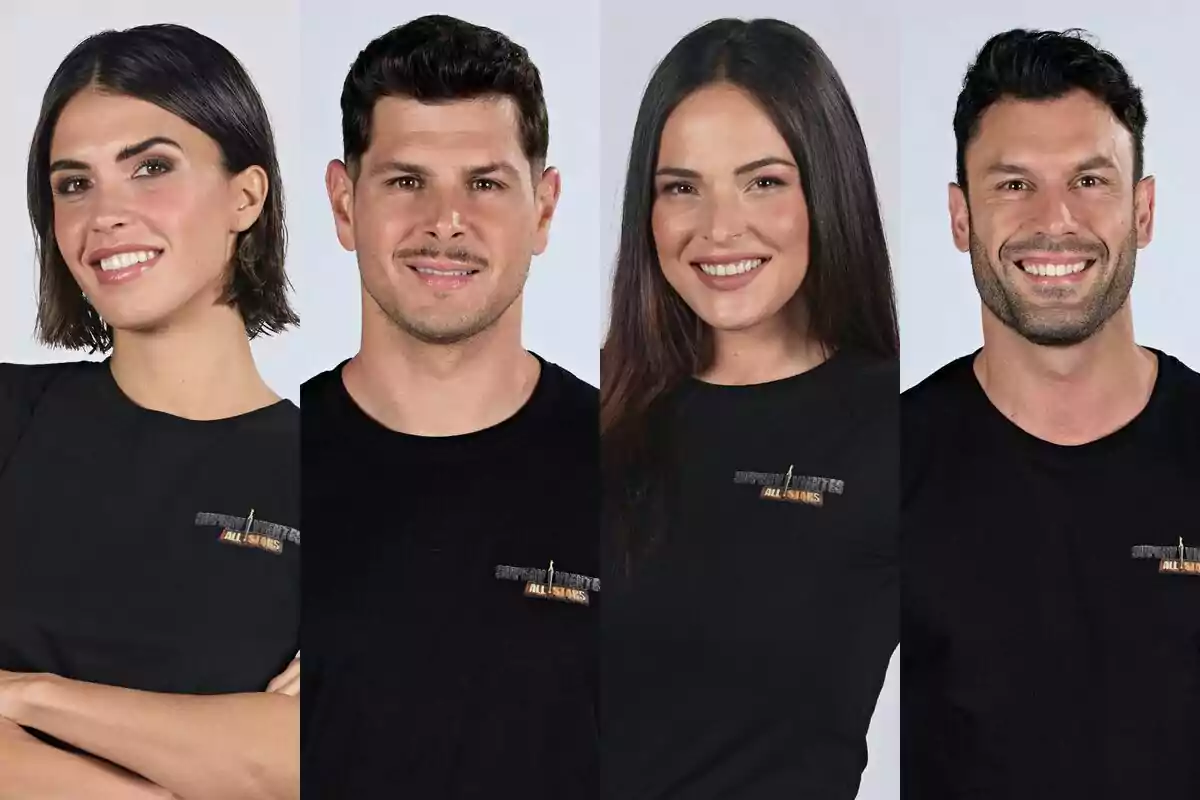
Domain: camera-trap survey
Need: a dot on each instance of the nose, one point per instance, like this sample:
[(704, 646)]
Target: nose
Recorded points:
[(726, 217), (1054, 213), (445, 220), (110, 210)]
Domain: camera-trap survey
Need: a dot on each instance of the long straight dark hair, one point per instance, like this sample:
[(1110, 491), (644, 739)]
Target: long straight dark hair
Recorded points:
[(655, 340)]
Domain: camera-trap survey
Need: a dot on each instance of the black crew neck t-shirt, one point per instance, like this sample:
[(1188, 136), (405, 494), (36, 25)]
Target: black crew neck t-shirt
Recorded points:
[(743, 654), (1045, 656), (428, 671), (114, 563)]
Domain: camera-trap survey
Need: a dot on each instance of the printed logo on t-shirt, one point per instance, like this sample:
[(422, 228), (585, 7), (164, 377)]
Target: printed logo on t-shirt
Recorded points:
[(789, 487), (548, 584), (250, 532), (1180, 560)]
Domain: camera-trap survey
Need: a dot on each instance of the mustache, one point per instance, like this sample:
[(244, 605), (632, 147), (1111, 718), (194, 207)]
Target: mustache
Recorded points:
[(458, 254), (1013, 251)]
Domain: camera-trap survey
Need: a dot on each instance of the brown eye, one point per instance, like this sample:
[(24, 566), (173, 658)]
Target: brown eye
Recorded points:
[(678, 187), (485, 185), (153, 167), (71, 185), (408, 182)]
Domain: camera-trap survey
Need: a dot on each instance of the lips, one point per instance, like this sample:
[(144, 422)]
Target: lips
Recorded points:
[(443, 275), (122, 263), (1056, 268), (729, 272)]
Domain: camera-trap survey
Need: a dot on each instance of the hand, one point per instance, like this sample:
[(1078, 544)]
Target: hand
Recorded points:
[(288, 681), (14, 690)]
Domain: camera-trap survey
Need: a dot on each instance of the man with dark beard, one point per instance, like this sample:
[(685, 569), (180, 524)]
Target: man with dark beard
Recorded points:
[(1051, 558)]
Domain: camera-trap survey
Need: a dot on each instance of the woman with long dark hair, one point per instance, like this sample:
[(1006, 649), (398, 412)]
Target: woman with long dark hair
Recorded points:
[(749, 404), (149, 554)]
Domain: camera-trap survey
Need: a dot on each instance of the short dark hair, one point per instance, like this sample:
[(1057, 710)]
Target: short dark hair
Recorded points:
[(199, 81), (1044, 65), (437, 58)]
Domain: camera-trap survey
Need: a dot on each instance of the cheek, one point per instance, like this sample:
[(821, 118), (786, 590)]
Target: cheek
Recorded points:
[(783, 221), (189, 216), (380, 222), (70, 230), (670, 227)]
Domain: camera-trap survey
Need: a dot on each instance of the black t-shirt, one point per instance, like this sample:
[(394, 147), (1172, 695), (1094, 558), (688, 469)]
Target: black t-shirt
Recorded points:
[(115, 562), (1045, 655), (428, 671), (744, 651)]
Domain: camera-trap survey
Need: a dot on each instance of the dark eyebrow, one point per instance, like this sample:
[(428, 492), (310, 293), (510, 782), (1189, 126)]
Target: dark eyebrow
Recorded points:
[(763, 162), (125, 154), (141, 147), (495, 166), (68, 163), (399, 166), (1093, 162), (680, 172), (1001, 167)]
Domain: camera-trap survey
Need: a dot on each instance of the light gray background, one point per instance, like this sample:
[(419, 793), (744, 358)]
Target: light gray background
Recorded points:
[(35, 37), (562, 298), (861, 39), (1155, 40)]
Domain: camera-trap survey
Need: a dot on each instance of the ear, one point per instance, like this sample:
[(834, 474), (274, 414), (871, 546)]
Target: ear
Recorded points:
[(1143, 210), (339, 185), (545, 199), (250, 188), (960, 218)]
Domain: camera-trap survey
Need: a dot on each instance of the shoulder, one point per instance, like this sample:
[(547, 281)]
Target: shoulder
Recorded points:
[(938, 391), (1181, 386), (321, 387), (22, 384), (572, 398), (1185, 379)]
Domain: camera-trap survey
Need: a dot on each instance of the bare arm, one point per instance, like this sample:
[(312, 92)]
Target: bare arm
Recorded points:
[(224, 747), (33, 770)]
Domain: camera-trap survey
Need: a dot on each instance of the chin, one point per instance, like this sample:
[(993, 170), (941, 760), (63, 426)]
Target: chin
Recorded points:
[(138, 319)]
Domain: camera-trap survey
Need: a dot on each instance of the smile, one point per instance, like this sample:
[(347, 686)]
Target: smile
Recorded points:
[(731, 268), (449, 273), (1044, 270), (123, 260)]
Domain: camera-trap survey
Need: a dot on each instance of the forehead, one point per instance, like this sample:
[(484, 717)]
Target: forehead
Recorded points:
[(720, 124), (97, 121), (1048, 133), (475, 131)]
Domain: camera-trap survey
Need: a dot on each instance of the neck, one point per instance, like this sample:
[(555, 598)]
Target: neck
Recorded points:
[(771, 351), (427, 389), (1067, 395), (201, 368)]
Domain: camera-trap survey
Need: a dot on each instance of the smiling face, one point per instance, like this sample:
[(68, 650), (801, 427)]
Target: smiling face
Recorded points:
[(730, 219), (1054, 219), (444, 213), (145, 214)]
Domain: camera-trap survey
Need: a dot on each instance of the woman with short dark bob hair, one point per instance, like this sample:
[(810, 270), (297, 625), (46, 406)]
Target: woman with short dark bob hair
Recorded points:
[(749, 431), (149, 501)]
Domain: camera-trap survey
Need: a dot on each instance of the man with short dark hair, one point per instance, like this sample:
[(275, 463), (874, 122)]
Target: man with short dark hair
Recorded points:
[(1051, 575), (451, 477)]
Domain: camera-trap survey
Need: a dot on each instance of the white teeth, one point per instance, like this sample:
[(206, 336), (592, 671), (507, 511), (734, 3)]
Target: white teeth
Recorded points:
[(1054, 270), (444, 272), (123, 260), (736, 268)]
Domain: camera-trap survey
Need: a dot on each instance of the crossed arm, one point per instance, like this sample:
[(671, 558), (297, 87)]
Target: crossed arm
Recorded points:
[(187, 747)]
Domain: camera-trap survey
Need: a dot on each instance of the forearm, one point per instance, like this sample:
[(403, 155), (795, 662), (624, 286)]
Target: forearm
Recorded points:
[(33, 770), (224, 747)]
